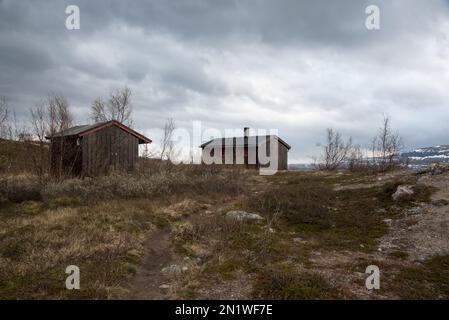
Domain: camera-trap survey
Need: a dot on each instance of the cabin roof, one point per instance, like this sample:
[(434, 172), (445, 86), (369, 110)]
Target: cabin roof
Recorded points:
[(84, 130), (240, 141)]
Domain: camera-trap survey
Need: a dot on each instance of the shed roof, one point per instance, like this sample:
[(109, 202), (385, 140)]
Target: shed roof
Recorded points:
[(240, 141), (84, 130)]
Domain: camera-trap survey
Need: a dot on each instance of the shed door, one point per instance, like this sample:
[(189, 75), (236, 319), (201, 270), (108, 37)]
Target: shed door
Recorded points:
[(115, 156)]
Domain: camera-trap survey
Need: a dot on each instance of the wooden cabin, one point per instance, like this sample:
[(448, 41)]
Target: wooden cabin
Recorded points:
[(92, 150), (245, 150)]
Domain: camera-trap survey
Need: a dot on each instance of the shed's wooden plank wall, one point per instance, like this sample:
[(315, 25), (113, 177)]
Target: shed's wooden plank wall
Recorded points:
[(109, 149)]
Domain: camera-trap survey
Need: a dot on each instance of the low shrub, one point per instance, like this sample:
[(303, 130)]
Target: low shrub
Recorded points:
[(147, 184), (278, 284), (202, 228), (301, 202), (19, 188), (430, 280)]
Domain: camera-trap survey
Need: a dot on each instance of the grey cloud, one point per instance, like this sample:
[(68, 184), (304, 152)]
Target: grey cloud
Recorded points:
[(23, 57), (299, 66)]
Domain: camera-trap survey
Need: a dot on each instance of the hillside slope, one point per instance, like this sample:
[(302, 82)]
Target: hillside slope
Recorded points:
[(424, 156)]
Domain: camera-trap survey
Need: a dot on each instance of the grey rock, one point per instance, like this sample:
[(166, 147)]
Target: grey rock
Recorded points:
[(240, 215), (414, 211), (402, 192), (173, 269), (164, 286)]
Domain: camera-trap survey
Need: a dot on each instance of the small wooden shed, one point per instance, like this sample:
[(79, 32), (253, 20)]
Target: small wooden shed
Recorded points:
[(91, 150)]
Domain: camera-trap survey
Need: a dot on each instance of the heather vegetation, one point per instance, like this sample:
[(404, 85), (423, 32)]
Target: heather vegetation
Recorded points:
[(203, 232)]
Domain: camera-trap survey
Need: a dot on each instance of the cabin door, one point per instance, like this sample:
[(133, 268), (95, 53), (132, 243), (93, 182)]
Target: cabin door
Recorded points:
[(114, 150), (116, 157)]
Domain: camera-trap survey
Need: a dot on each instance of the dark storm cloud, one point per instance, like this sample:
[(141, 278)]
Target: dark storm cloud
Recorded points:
[(298, 66)]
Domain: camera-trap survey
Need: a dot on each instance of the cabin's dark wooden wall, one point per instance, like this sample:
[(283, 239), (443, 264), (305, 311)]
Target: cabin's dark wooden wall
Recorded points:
[(108, 149), (65, 157), (240, 155)]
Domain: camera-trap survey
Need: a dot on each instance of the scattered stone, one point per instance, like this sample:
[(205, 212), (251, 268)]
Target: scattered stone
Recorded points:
[(298, 240), (184, 269), (164, 286), (414, 211), (243, 215), (402, 192), (173, 269), (388, 222), (270, 229)]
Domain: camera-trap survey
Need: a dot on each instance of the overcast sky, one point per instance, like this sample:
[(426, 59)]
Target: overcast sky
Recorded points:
[(296, 66)]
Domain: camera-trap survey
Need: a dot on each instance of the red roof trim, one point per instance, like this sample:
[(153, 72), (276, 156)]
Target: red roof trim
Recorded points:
[(121, 126)]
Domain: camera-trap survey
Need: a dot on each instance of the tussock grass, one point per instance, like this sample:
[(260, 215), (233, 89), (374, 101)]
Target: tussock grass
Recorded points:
[(101, 225), (308, 204), (104, 240), (172, 180), (19, 188), (227, 248), (427, 281), (97, 224), (282, 284)]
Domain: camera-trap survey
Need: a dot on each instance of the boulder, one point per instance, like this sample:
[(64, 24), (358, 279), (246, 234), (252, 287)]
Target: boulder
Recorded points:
[(240, 215), (402, 192)]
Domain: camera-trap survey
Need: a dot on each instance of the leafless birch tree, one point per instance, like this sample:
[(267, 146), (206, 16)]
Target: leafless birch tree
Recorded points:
[(387, 146), (117, 107), (335, 151), (167, 145), (40, 128), (5, 125)]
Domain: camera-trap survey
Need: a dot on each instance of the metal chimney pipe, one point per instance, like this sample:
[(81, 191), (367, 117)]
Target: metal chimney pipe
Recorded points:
[(246, 132)]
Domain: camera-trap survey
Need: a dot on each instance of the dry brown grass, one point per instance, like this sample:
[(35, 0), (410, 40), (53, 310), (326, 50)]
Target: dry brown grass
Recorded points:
[(104, 240), (19, 188), (98, 224), (148, 183), (101, 225)]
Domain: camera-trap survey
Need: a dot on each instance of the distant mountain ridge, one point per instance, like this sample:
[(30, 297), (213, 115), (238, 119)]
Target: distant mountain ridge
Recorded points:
[(301, 166), (424, 156), (418, 158)]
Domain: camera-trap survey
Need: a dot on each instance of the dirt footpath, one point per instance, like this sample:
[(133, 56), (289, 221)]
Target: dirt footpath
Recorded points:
[(145, 285)]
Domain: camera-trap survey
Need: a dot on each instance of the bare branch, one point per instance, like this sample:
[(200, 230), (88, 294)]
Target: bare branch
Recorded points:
[(5, 126), (335, 150), (59, 116), (167, 144), (386, 146), (118, 107)]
